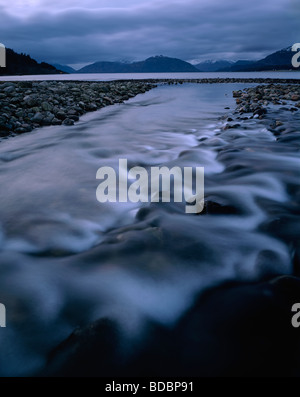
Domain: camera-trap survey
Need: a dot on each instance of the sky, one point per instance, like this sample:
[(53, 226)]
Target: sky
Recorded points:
[(77, 33)]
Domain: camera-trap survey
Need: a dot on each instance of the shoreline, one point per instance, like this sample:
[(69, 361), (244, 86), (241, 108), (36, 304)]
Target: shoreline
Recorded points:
[(255, 103), (27, 105)]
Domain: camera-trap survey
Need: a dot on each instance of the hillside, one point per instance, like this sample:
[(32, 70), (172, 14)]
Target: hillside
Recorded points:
[(279, 60), (213, 66), (157, 64), (64, 68), (22, 64)]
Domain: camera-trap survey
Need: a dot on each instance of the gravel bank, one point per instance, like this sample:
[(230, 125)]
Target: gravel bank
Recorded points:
[(256, 103), (27, 105)]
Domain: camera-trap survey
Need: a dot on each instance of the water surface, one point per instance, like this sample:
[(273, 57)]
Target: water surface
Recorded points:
[(67, 260), (147, 76)]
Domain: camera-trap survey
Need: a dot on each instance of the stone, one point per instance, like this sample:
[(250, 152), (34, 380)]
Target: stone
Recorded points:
[(74, 117), (46, 106), (237, 94), (20, 130), (56, 121), (68, 122), (37, 118), (31, 100), (9, 90), (26, 127), (7, 84), (260, 112), (91, 107), (61, 115), (95, 86), (71, 112)]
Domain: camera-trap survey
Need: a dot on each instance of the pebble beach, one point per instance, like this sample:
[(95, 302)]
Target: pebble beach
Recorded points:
[(27, 105)]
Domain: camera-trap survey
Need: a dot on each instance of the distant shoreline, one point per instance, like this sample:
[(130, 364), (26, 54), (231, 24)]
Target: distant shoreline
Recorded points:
[(274, 75)]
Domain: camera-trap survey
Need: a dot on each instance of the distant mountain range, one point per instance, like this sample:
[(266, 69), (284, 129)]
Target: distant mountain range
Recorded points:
[(22, 64), (279, 60), (19, 64), (64, 68), (157, 64), (213, 66)]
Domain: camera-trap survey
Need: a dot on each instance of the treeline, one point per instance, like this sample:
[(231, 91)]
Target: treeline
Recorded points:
[(19, 64)]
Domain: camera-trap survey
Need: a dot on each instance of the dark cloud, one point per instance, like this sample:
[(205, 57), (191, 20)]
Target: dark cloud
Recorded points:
[(64, 33)]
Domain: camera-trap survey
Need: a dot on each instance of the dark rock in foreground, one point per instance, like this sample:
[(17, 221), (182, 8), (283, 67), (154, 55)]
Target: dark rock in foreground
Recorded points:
[(233, 330)]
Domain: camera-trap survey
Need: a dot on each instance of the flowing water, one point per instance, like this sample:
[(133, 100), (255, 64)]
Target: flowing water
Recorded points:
[(67, 260)]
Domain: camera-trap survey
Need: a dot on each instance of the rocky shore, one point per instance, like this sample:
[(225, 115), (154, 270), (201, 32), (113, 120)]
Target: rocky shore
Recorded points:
[(256, 103), (27, 105)]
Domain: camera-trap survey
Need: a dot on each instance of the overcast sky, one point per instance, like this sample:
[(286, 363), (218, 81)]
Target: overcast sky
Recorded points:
[(77, 32)]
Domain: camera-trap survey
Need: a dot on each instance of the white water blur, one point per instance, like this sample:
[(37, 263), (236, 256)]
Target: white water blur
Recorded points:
[(67, 260)]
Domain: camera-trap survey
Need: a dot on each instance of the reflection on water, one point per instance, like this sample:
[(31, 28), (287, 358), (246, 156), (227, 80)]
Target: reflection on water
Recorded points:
[(67, 260)]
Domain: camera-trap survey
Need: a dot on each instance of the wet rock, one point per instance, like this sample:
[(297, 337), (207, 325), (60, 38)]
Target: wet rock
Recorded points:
[(20, 130), (27, 127), (72, 112), (95, 86), (231, 126), (46, 106), (91, 107), (73, 117), (56, 121), (10, 89), (295, 98), (31, 100), (237, 94), (260, 112), (37, 118), (7, 84), (61, 115), (68, 122), (47, 120)]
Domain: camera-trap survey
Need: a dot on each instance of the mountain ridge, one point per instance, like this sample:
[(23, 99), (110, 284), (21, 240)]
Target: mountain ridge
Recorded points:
[(156, 64), (23, 64), (278, 60)]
